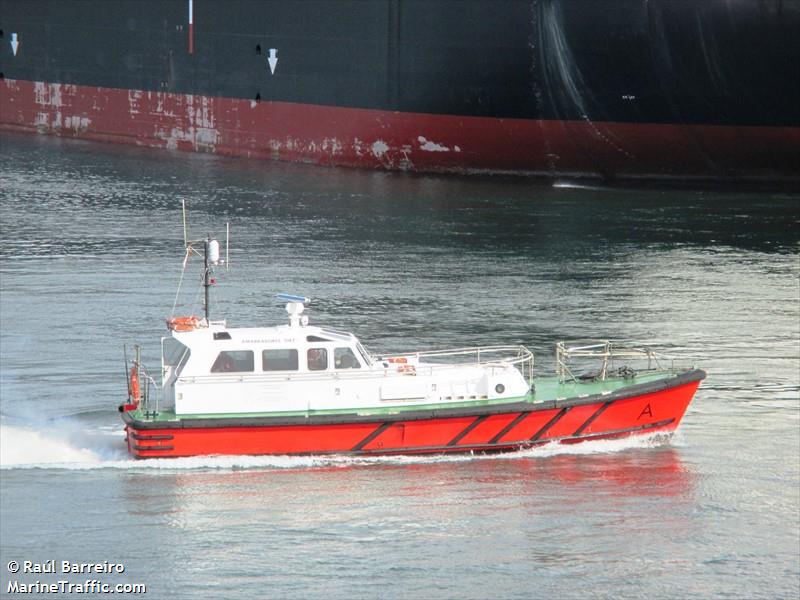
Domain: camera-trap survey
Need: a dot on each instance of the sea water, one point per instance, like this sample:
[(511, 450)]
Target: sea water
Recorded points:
[(92, 244)]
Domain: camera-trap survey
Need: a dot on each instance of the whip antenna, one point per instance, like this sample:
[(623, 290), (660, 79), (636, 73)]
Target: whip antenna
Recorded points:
[(227, 245), (185, 234)]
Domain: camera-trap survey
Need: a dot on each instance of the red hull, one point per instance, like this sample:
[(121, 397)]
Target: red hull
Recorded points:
[(393, 140), (569, 421)]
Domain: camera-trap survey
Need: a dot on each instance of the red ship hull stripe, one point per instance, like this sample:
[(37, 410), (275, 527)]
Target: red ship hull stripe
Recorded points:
[(380, 139)]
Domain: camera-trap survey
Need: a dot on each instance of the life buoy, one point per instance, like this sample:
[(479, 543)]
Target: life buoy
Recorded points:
[(134, 385), (183, 323), (401, 360)]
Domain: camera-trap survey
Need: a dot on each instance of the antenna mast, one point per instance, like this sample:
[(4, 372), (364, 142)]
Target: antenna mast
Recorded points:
[(211, 258), (206, 275)]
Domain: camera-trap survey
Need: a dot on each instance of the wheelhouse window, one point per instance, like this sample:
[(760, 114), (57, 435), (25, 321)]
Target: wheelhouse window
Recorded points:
[(174, 354), (233, 361), (316, 338), (317, 359), (279, 359), (343, 358)]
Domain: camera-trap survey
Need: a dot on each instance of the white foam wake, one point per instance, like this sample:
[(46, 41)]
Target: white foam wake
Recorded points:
[(68, 446), (53, 445)]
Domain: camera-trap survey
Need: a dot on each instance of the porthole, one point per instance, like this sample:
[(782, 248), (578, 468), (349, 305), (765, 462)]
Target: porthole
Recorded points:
[(499, 388)]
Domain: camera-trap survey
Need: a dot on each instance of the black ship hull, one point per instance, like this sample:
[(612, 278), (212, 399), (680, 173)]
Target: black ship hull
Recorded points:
[(624, 88)]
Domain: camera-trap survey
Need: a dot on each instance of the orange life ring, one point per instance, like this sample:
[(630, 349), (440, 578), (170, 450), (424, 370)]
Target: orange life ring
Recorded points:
[(183, 323), (134, 384), (397, 359)]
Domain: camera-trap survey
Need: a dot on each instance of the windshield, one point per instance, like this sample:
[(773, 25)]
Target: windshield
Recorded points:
[(174, 354), (366, 355)]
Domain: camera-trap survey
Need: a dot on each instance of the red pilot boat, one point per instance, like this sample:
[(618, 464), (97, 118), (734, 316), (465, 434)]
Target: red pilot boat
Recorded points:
[(304, 389)]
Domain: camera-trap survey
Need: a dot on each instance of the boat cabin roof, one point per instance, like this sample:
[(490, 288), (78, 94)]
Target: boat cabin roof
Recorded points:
[(281, 335), (215, 349)]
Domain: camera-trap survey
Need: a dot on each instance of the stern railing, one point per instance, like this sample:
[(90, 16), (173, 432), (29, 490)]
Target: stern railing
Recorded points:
[(150, 391)]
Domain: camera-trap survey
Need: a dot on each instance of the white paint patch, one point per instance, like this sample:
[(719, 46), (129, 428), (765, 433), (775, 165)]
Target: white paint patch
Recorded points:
[(205, 137), (47, 94), (133, 101), (171, 140), (77, 124), (457, 148), (39, 89), (332, 146), (197, 128), (429, 146), (379, 148), (11, 84)]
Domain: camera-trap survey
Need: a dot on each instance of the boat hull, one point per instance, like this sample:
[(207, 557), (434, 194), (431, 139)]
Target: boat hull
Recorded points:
[(637, 409), (556, 88), (379, 139)]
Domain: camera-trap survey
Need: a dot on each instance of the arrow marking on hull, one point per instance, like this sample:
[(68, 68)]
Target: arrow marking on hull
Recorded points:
[(14, 43), (273, 60)]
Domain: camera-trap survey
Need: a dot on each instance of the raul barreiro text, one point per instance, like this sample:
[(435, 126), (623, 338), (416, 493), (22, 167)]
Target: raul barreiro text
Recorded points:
[(64, 567)]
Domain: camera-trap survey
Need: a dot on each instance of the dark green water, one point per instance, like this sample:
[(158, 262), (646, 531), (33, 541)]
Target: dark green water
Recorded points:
[(91, 252)]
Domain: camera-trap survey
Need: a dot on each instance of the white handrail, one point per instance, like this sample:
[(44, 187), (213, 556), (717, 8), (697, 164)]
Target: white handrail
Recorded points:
[(519, 356), (521, 353)]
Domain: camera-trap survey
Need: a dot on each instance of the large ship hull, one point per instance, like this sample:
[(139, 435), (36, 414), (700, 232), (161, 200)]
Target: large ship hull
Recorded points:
[(655, 407), (629, 88), (376, 139)]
